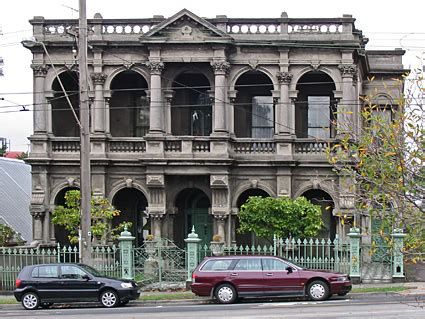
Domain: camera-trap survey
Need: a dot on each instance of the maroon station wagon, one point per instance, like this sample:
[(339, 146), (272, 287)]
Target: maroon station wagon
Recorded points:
[(229, 277)]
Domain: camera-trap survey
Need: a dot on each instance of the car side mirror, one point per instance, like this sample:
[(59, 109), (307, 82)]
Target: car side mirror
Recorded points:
[(289, 269), (85, 277)]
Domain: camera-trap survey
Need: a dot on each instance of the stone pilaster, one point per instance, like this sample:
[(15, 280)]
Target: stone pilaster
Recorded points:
[(220, 221), (284, 109), (168, 96), (156, 108), (37, 221), (40, 107), (98, 110), (346, 109), (221, 69)]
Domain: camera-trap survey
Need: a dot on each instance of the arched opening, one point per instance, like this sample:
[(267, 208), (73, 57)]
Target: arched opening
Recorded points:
[(320, 197), (315, 108), (191, 110), (132, 203), (61, 234), (63, 120), (129, 107), (248, 238), (254, 109), (193, 205)]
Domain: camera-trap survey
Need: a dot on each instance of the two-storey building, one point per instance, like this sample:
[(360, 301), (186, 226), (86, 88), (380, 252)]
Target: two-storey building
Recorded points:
[(190, 116)]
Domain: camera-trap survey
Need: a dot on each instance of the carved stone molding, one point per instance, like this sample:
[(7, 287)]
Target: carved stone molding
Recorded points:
[(98, 77), (220, 67), (348, 70), (155, 67), (40, 69), (220, 217), (38, 215), (219, 181), (155, 180), (129, 183), (284, 77)]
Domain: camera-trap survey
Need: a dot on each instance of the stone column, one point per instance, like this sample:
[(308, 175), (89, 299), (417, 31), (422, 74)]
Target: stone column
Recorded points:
[(168, 96), (231, 122), (221, 68), (107, 115), (37, 225), (345, 120), (284, 109), (49, 124), (292, 118), (156, 117), (98, 109), (220, 222), (40, 107), (156, 225)]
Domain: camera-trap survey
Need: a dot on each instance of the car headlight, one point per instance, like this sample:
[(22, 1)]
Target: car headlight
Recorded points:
[(341, 278), (126, 285)]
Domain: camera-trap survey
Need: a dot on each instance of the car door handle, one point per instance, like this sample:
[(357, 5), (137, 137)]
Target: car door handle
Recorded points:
[(233, 274), (269, 274)]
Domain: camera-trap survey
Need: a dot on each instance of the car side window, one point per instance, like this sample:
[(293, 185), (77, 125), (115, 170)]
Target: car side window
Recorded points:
[(274, 264), (45, 272), (71, 272), (249, 264), (217, 265)]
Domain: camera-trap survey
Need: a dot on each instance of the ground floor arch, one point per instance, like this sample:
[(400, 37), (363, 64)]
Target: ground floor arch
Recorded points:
[(61, 234), (132, 205)]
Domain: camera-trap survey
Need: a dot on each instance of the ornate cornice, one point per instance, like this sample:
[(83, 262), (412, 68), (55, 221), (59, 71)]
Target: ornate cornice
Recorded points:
[(284, 77), (98, 77), (220, 67), (155, 67), (40, 69)]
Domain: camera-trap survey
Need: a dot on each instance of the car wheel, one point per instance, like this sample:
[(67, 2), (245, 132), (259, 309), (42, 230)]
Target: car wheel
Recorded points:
[(225, 293), (30, 301), (318, 290), (46, 305), (109, 299)]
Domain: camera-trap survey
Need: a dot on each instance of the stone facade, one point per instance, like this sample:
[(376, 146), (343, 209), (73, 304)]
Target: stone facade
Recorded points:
[(190, 116)]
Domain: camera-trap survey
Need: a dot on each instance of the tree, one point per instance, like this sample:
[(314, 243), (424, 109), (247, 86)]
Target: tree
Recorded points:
[(102, 213), (282, 217), (8, 236), (385, 161)]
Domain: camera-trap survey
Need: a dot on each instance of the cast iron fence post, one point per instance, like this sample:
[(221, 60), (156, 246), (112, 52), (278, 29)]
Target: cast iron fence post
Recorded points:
[(192, 245), (126, 250), (398, 245), (354, 235)]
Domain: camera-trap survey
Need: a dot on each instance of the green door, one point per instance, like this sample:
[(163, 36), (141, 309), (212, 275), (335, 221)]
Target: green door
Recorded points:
[(202, 221)]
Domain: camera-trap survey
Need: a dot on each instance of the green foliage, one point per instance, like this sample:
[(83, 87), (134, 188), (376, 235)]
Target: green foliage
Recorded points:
[(385, 160), (102, 213), (283, 217), (7, 235)]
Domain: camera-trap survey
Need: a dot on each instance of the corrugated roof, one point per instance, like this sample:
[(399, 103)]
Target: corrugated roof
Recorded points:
[(15, 195)]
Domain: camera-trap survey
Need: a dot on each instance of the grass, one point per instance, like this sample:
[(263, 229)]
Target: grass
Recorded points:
[(7, 300), (379, 289), (146, 296)]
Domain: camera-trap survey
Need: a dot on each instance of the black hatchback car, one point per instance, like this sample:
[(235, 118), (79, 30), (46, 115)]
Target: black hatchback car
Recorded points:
[(44, 284)]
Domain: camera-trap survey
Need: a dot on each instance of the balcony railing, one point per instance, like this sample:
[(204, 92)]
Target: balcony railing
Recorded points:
[(311, 147), (127, 146), (66, 146), (254, 147)]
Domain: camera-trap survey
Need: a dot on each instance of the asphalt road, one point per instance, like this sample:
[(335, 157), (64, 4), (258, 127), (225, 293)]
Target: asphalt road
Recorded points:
[(381, 306)]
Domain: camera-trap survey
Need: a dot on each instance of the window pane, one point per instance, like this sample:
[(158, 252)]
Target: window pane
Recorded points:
[(262, 117), (318, 111), (249, 264), (274, 264), (217, 265), (48, 272), (71, 272)]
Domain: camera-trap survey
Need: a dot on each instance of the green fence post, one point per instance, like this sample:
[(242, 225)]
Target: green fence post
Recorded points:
[(192, 246), (126, 250), (354, 235), (398, 245)]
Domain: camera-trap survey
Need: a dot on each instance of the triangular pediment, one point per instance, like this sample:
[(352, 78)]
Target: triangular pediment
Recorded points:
[(185, 26)]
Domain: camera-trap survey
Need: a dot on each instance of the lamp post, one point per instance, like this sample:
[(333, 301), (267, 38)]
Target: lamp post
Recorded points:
[(84, 124)]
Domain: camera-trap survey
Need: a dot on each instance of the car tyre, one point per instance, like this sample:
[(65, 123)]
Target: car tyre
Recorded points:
[(225, 294), (30, 300), (109, 299), (318, 290)]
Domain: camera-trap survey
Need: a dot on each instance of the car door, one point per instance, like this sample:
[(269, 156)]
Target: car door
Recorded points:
[(45, 279), (278, 280), (247, 276), (76, 286)]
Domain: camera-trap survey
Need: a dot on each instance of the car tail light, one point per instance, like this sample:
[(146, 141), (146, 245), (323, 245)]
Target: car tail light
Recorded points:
[(18, 282), (193, 277)]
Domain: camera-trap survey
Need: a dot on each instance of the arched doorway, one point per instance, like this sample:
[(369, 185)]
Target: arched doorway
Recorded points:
[(63, 120), (320, 197), (248, 238), (315, 109), (193, 205), (61, 234), (191, 108), (132, 203), (129, 107), (254, 110)]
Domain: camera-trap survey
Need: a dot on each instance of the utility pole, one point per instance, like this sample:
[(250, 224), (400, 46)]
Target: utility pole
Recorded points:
[(85, 176)]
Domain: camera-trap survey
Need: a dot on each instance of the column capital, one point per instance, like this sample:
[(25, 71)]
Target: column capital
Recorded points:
[(38, 215), (220, 67), (155, 67), (220, 217), (40, 70), (157, 216), (284, 77), (98, 77), (168, 95), (348, 70)]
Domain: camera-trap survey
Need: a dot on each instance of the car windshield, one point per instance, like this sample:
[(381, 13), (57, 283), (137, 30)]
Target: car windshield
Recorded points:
[(90, 270), (293, 263)]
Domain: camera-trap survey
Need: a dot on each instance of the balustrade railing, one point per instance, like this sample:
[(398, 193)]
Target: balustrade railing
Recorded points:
[(173, 146), (254, 147), (200, 146), (66, 146), (311, 147), (127, 146)]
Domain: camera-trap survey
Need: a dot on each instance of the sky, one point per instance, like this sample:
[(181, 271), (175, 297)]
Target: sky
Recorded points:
[(388, 25)]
